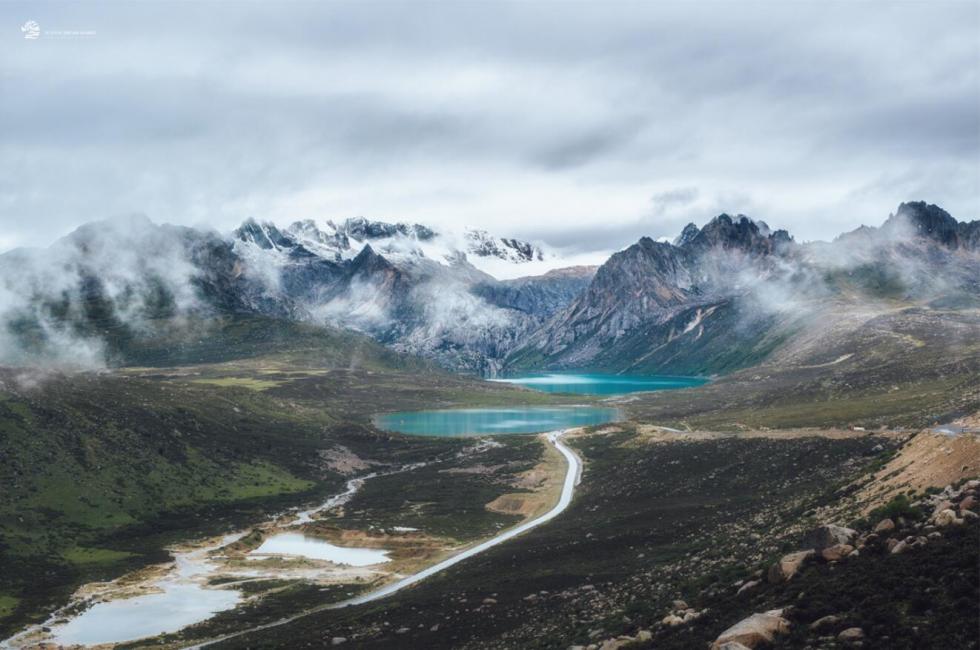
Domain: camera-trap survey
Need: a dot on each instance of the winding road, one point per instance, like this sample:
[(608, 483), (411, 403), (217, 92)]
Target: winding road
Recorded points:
[(572, 476)]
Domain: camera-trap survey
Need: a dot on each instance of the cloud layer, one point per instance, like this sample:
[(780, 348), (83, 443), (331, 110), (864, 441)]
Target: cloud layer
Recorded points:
[(583, 125)]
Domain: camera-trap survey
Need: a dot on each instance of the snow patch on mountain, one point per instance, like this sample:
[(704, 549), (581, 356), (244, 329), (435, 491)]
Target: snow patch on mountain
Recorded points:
[(401, 243)]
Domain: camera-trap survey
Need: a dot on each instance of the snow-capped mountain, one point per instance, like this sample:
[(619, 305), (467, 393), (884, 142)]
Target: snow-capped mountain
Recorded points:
[(500, 257), (421, 291), (720, 297)]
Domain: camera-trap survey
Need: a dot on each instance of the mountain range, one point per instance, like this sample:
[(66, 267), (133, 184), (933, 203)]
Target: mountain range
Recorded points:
[(719, 297)]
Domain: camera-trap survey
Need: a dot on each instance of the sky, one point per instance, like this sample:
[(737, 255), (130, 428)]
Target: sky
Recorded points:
[(584, 125)]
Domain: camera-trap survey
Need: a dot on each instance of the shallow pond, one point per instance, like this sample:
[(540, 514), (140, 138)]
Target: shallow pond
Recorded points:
[(134, 618), (484, 421), (600, 384), (298, 544), (182, 600)]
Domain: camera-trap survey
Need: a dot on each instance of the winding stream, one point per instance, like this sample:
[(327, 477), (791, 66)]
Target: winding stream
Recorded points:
[(572, 477), (182, 597)]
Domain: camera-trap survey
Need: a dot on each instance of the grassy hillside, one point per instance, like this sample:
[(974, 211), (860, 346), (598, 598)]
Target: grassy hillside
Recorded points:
[(99, 470), (906, 367)]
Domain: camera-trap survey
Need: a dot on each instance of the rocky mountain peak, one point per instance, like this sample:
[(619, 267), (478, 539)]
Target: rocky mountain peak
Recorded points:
[(264, 234), (725, 231), (733, 233), (368, 262), (687, 235), (927, 221), (361, 229), (482, 244)]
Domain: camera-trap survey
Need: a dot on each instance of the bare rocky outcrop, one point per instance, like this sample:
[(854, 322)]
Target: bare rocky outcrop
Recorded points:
[(754, 631), (828, 535), (787, 567)]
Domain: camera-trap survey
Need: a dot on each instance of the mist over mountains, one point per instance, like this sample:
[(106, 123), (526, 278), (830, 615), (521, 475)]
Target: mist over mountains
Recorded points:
[(720, 297)]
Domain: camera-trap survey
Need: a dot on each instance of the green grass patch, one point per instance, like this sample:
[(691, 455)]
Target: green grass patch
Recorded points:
[(88, 555), (241, 382), (7, 605)]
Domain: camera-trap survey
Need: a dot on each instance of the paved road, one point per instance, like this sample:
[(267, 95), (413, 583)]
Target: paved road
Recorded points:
[(572, 474)]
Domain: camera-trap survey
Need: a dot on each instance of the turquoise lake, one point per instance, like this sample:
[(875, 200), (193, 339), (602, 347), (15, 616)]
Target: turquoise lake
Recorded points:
[(484, 421), (599, 384)]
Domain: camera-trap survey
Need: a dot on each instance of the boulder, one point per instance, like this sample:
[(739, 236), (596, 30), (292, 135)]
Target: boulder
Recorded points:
[(826, 624), (945, 518), (837, 552), (968, 503), (866, 540), (969, 515), (885, 526), (679, 604), (617, 643), (672, 620), (751, 584), (753, 631), (787, 567), (851, 635), (733, 645), (828, 535), (338, 640), (899, 547)]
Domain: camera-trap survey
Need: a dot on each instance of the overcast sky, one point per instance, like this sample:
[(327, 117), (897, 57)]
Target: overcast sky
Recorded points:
[(582, 124)]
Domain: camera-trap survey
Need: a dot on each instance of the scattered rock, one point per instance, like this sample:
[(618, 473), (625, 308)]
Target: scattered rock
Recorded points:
[(885, 526), (828, 535), (826, 624), (672, 620), (754, 631), (338, 640), (837, 552), (787, 567), (733, 645), (679, 604), (899, 547), (851, 635), (945, 518), (751, 584)]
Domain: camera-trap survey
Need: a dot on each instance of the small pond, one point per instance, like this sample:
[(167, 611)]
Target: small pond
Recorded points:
[(298, 544)]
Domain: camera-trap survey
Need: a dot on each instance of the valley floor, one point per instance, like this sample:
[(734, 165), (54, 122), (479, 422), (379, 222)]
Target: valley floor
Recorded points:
[(699, 510), (696, 519)]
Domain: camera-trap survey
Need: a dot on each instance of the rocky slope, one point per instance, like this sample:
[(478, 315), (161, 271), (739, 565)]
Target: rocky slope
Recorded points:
[(721, 297), (727, 295), (86, 300)]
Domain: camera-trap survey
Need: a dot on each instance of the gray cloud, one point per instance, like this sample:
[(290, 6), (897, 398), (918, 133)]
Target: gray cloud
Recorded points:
[(525, 119)]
